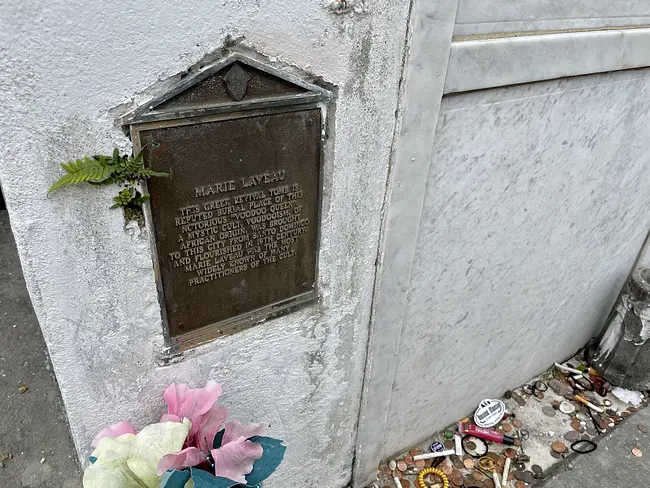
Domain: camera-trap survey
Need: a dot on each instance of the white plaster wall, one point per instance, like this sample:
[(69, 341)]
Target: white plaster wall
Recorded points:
[(489, 16), (535, 209), (64, 66)]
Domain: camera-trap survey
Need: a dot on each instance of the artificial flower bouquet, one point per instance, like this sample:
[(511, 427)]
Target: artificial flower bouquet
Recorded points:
[(192, 447)]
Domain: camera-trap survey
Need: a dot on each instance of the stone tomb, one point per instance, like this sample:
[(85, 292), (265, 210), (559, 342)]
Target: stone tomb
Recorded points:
[(236, 225)]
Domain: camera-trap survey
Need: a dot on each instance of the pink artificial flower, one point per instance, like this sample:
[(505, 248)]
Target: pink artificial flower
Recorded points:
[(198, 405), (234, 459), (114, 430)]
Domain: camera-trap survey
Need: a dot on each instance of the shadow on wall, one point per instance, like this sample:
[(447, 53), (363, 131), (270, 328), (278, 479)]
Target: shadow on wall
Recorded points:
[(2, 201)]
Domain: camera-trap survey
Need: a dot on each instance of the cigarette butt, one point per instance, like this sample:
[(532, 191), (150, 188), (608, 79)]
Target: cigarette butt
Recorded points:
[(567, 369), (495, 477), (398, 483), (506, 471), (431, 455), (458, 444), (589, 404)]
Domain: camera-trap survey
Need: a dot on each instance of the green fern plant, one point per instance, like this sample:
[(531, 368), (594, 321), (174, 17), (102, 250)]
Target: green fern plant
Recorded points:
[(107, 170)]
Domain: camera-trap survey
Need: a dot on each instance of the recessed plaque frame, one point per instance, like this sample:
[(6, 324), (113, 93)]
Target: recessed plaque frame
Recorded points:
[(286, 109)]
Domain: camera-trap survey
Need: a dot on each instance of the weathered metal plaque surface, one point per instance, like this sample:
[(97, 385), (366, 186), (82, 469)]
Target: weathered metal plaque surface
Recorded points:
[(236, 224)]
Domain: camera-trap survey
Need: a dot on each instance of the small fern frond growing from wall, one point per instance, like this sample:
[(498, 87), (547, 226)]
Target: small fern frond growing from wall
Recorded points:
[(107, 170)]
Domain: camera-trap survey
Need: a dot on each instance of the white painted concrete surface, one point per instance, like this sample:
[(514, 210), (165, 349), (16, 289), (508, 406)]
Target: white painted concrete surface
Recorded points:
[(65, 66), (489, 16), (536, 207)]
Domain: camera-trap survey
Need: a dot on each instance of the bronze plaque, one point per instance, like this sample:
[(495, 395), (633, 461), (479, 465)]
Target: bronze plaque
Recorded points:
[(236, 224)]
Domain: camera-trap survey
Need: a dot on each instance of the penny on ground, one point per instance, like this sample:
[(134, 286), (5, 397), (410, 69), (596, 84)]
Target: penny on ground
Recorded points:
[(643, 428), (469, 463), (636, 452), (401, 465)]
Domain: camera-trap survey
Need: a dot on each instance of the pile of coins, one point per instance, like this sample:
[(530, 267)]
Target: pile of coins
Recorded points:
[(586, 415)]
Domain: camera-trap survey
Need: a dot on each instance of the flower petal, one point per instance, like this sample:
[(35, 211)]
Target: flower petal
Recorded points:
[(151, 444), (211, 423), (235, 430), (191, 456), (114, 430), (174, 396), (199, 400), (235, 459), (170, 417), (110, 468)]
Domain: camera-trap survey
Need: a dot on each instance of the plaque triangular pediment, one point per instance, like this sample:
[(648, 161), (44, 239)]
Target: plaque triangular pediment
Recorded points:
[(236, 82)]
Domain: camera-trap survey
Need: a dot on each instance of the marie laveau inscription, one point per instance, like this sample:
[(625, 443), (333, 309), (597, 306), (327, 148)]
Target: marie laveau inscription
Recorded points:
[(236, 225), (227, 235)]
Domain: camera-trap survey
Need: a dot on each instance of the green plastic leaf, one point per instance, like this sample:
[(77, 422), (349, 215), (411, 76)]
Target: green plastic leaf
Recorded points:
[(203, 479), (270, 460), (175, 479)]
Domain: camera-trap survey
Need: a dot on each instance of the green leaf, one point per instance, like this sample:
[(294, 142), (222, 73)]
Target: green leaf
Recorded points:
[(218, 439), (175, 479), (203, 479), (273, 454), (80, 171), (116, 156)]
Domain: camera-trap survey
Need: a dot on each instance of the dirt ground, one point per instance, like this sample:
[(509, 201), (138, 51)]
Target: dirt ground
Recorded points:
[(33, 428)]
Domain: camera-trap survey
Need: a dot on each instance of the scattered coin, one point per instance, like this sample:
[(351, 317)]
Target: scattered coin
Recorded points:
[(520, 484), (548, 411), (510, 453), (471, 445), (611, 412), (517, 423), (566, 407), (401, 465), (477, 475), (643, 428), (458, 481), (488, 483), (469, 463), (385, 470), (507, 428), (396, 474), (448, 444), (405, 483), (447, 469), (520, 475), (408, 459), (556, 455), (457, 463), (415, 452), (421, 463), (556, 404), (501, 462), (559, 446), (637, 452), (536, 469), (572, 436), (529, 477), (493, 456), (591, 430), (626, 414), (507, 395)]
